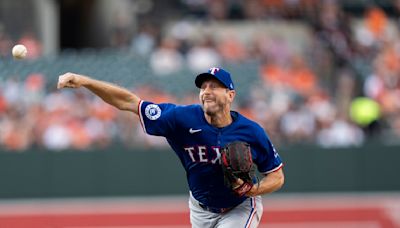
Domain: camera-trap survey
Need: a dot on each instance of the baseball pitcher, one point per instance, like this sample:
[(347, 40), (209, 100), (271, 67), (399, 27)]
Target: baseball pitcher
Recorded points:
[(219, 148)]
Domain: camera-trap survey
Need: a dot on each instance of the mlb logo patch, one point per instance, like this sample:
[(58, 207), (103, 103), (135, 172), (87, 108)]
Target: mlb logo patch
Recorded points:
[(152, 111)]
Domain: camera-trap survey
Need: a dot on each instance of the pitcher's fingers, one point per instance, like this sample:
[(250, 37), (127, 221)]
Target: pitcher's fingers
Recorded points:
[(59, 85), (62, 81)]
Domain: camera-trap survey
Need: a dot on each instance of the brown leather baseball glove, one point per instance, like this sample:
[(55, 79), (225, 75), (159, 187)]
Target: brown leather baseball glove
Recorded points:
[(237, 163)]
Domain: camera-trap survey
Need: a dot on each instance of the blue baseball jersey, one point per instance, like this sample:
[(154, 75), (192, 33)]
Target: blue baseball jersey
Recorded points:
[(197, 144)]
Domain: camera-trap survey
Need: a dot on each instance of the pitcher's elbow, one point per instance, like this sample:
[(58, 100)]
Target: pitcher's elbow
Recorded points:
[(281, 181)]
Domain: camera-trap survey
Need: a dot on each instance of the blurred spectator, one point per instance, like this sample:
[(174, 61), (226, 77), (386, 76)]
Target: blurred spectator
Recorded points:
[(345, 90), (15, 130), (34, 88), (274, 75), (166, 59), (13, 92), (376, 22), (301, 77), (254, 10), (322, 107), (203, 55), (183, 31), (57, 137), (333, 30), (340, 133), (298, 124), (218, 10), (145, 41)]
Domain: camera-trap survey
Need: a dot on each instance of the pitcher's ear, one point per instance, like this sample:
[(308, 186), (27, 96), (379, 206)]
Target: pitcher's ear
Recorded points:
[(232, 94)]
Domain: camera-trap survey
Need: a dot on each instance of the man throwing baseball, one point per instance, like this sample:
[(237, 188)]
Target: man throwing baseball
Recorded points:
[(199, 135)]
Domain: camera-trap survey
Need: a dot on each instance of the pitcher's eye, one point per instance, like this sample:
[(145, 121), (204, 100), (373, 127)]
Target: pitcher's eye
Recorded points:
[(210, 86)]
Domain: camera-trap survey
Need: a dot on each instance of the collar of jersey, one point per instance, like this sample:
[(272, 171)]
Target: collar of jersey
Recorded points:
[(234, 115)]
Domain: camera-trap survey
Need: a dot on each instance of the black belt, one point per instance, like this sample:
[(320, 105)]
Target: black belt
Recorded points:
[(216, 210)]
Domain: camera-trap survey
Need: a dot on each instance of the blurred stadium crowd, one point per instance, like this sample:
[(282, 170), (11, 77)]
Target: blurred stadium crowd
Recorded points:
[(341, 89)]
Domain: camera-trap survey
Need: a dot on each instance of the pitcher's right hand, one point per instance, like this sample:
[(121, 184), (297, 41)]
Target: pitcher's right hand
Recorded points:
[(70, 80)]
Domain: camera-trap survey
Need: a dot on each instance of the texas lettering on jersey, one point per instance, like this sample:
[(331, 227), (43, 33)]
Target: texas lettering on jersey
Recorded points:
[(204, 154)]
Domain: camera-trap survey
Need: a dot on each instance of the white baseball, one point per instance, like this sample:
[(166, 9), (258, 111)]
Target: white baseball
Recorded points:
[(19, 51)]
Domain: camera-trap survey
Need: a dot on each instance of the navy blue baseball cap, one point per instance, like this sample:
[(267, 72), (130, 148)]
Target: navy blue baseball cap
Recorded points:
[(218, 73)]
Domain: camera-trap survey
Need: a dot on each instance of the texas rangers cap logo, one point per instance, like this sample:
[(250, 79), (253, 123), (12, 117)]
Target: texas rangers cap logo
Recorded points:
[(218, 73), (152, 111), (213, 70)]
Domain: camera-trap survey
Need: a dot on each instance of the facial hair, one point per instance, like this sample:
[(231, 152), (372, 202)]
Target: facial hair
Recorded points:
[(218, 106)]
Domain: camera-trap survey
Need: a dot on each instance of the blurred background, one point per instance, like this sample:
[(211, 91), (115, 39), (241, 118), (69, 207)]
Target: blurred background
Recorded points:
[(322, 77)]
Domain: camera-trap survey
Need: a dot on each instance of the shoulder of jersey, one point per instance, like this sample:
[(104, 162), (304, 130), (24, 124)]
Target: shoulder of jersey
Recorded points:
[(188, 107), (250, 122)]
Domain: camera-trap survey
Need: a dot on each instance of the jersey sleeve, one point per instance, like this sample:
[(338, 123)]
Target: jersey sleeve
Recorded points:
[(267, 158), (157, 119)]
